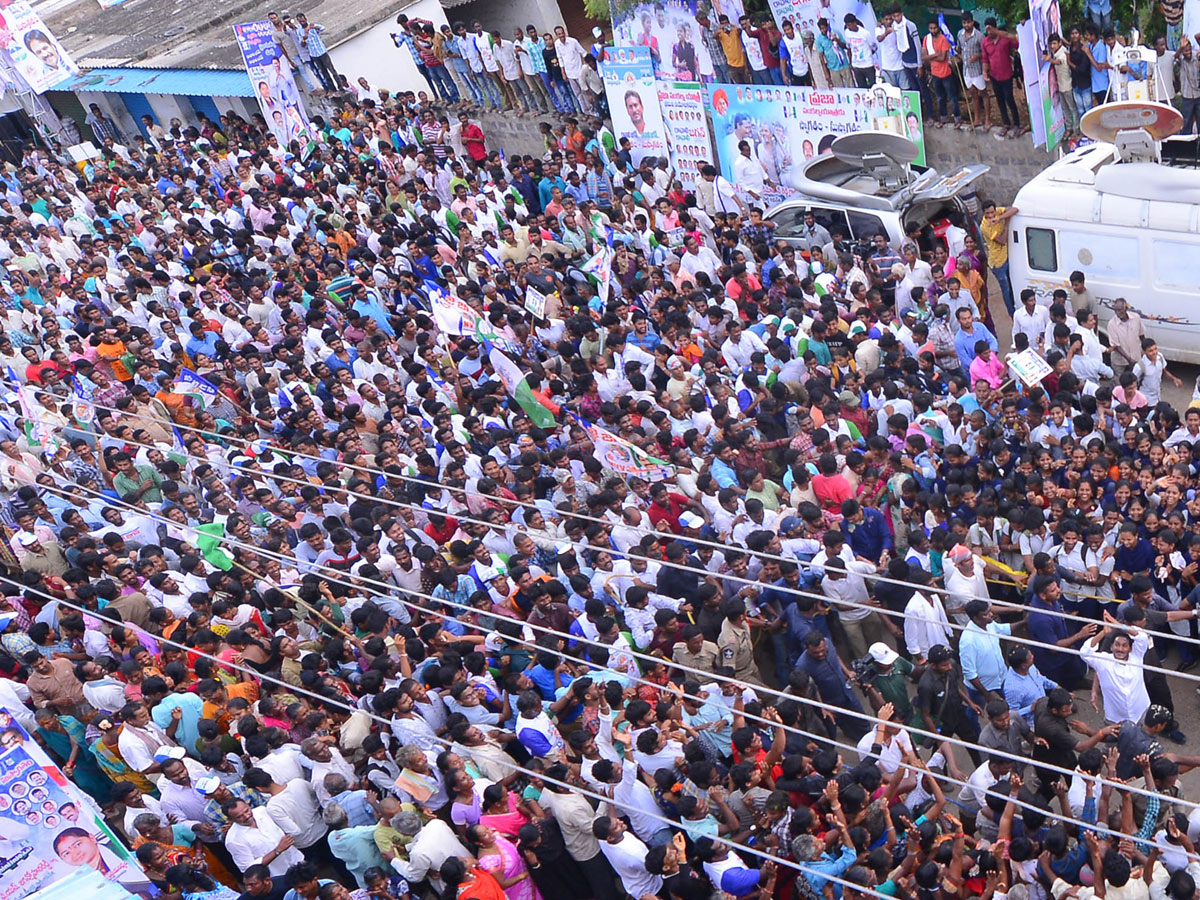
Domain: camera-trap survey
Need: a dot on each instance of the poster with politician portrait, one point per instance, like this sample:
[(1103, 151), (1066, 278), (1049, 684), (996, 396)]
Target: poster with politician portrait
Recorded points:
[(35, 52), (274, 84), (628, 74), (48, 827), (669, 30)]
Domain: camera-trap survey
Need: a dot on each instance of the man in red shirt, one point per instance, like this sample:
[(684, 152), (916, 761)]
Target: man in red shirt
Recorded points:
[(997, 48), (472, 138), (665, 507), (830, 486)]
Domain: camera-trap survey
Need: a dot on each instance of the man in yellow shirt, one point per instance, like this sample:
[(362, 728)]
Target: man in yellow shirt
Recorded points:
[(730, 37), (995, 240)]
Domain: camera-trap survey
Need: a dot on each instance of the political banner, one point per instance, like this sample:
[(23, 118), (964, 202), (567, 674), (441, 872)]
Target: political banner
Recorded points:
[(669, 32), (623, 457), (35, 52), (1041, 86), (535, 302), (628, 75), (805, 14), (683, 110), (452, 314), (1029, 367), (274, 85), (48, 828), (188, 384), (788, 126)]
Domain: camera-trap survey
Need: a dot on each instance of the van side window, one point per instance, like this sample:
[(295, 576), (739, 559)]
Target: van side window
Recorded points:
[(1039, 244), (864, 226)]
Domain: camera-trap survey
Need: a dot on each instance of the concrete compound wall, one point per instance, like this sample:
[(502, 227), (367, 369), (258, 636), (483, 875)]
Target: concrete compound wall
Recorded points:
[(1013, 161)]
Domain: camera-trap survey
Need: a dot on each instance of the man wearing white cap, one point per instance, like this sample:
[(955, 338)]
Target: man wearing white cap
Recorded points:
[(46, 558)]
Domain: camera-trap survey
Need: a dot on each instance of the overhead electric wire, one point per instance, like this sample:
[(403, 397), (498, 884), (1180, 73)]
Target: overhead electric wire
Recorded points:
[(708, 676)]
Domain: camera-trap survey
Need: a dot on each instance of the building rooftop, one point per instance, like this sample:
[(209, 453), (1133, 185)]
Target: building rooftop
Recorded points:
[(185, 34)]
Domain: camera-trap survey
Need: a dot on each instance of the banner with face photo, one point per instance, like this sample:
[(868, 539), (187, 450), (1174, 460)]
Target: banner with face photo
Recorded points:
[(669, 31), (805, 14), (274, 84), (683, 111), (1041, 90), (787, 126), (629, 85), (35, 52), (48, 828)]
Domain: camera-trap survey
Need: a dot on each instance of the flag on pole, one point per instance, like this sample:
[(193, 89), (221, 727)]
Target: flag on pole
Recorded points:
[(945, 29), (518, 388), (599, 269), (621, 456), (189, 384), (452, 314)]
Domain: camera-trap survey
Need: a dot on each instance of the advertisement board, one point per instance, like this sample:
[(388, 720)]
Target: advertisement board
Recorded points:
[(670, 33), (787, 126), (48, 828), (35, 52), (686, 120), (274, 84), (1041, 87), (628, 74)]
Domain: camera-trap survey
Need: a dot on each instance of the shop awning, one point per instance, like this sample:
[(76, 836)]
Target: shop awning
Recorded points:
[(180, 82)]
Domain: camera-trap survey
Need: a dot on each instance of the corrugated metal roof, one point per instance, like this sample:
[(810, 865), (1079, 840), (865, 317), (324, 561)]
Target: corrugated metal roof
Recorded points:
[(184, 82)]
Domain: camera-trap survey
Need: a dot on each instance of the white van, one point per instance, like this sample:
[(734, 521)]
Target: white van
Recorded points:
[(1132, 228)]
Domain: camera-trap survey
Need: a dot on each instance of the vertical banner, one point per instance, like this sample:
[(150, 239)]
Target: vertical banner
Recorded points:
[(629, 85), (670, 33), (35, 52), (787, 126), (683, 112), (48, 828), (1041, 87), (273, 82)]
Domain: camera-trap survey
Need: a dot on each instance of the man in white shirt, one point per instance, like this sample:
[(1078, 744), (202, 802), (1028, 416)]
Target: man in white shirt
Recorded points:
[(748, 172), (254, 839), (1120, 673), (627, 855), (739, 345), (698, 258), (1031, 320), (925, 622), (293, 807), (431, 845), (570, 58)]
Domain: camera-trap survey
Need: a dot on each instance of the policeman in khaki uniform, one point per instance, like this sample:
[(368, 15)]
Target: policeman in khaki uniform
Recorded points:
[(734, 643)]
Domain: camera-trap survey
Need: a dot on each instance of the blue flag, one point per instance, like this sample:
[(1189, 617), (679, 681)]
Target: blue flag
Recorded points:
[(85, 410), (941, 20)]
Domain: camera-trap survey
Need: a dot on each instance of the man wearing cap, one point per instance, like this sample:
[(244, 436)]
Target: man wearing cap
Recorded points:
[(893, 674), (46, 558), (943, 702)]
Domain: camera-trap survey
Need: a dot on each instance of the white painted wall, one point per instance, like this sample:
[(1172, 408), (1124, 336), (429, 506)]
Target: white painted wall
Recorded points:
[(372, 54), (510, 14), (169, 106)]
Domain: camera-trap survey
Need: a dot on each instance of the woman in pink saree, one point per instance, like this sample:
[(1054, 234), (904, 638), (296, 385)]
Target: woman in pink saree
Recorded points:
[(500, 857)]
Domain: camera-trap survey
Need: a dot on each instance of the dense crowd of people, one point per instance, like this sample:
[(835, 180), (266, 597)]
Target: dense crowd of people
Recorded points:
[(311, 599)]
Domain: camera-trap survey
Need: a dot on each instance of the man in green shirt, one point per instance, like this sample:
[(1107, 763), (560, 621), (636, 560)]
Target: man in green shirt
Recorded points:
[(140, 481)]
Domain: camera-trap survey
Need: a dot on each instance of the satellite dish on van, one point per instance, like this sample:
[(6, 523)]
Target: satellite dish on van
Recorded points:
[(1134, 127), (882, 155)]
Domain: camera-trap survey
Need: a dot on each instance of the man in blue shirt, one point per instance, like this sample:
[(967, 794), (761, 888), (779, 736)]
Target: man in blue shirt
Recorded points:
[(367, 303), (1047, 626), (866, 531), (722, 468), (202, 342), (979, 652), (831, 677)]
